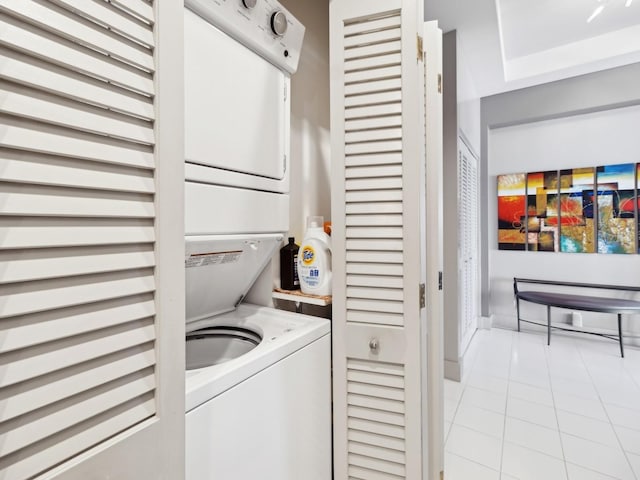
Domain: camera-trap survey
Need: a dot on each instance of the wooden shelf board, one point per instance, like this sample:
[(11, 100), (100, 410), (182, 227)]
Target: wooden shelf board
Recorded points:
[(299, 297)]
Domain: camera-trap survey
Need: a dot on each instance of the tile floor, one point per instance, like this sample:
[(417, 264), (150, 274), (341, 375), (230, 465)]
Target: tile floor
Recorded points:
[(525, 411)]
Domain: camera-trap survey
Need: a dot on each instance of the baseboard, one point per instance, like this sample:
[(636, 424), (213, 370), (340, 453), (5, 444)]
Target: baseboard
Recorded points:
[(508, 322), (484, 323), (453, 370)]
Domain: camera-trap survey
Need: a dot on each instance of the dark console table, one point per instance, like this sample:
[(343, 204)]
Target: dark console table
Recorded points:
[(617, 306)]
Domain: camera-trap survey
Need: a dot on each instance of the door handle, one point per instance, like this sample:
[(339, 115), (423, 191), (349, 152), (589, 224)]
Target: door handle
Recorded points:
[(374, 345)]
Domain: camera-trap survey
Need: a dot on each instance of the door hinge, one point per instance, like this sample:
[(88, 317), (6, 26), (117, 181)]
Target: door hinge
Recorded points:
[(441, 475), (285, 92), (284, 164), (419, 45), (439, 83), (439, 280), (423, 295)]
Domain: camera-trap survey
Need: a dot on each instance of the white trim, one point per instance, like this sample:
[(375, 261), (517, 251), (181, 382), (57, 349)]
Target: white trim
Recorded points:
[(170, 272)]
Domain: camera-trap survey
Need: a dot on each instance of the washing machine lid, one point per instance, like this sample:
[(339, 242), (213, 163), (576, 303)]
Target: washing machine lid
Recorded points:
[(221, 269)]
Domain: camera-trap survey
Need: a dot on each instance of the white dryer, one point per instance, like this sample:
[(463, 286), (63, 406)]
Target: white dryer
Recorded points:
[(258, 385), (239, 55)]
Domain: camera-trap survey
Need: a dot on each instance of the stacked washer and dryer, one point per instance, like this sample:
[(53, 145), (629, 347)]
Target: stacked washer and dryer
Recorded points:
[(258, 383)]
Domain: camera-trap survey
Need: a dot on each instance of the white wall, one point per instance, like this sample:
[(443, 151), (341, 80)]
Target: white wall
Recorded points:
[(310, 141), (606, 137), (468, 102)]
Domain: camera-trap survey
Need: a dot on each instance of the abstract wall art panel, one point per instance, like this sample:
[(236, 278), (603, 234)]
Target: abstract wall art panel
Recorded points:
[(575, 210), (511, 212), (577, 225), (542, 212), (616, 207)]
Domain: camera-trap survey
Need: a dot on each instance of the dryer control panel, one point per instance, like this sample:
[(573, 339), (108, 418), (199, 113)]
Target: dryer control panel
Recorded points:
[(264, 26)]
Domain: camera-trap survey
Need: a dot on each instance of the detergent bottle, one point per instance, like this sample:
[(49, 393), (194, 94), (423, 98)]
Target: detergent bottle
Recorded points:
[(289, 266), (314, 259)]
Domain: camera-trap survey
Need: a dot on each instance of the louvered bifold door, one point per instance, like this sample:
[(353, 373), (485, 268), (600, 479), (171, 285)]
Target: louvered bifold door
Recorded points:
[(468, 201), (79, 240), (377, 131)]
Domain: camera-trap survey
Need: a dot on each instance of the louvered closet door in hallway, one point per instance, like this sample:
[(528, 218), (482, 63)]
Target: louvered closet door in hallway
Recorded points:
[(468, 239), (378, 179), (91, 298)]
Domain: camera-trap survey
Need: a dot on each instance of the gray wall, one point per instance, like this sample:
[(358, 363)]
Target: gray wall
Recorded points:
[(450, 201), (310, 138), (605, 90), (461, 119)]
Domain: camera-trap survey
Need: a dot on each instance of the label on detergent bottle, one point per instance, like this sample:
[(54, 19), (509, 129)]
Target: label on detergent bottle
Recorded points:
[(309, 272), (296, 279)]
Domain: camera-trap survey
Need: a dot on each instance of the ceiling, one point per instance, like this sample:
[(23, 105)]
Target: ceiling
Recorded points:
[(510, 44)]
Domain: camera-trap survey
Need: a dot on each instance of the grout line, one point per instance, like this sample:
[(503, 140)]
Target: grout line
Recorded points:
[(475, 387), (483, 408), (472, 461), (524, 447), (532, 423), (453, 424), (506, 404), (594, 471), (606, 412), (555, 408)]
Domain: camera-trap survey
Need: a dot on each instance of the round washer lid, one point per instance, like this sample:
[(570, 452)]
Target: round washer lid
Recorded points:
[(219, 344)]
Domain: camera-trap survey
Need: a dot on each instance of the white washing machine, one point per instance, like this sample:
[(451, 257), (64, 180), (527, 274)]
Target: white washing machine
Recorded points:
[(258, 383), (258, 386)]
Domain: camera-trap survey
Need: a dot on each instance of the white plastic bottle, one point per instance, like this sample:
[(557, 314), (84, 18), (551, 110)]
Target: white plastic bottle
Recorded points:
[(314, 259)]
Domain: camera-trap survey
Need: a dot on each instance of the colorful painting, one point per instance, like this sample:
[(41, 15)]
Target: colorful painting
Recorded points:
[(577, 225), (577, 210), (616, 208), (511, 212), (542, 212)]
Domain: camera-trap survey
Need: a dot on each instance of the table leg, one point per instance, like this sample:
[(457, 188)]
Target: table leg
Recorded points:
[(548, 324), (518, 311), (620, 334)]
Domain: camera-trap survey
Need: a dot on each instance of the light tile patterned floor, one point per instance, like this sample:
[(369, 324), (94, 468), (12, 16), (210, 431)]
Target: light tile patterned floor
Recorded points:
[(526, 411)]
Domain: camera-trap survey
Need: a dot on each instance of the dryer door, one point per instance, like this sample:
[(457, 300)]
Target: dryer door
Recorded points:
[(235, 104)]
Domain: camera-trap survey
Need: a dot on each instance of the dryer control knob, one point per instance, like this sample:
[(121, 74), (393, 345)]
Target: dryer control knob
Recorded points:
[(249, 3), (279, 23)]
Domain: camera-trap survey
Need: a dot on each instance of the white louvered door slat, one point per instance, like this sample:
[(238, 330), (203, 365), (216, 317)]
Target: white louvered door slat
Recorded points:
[(141, 9), (75, 438), (49, 326), (27, 38), (377, 196), (74, 27), (104, 12), (33, 104), (55, 420), (87, 375), (74, 381), (37, 169), (44, 263), (55, 232), (51, 139), (27, 70)]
